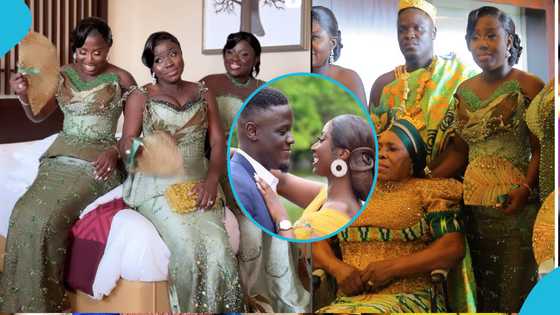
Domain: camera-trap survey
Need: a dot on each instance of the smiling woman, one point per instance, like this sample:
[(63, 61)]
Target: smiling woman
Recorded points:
[(76, 169)]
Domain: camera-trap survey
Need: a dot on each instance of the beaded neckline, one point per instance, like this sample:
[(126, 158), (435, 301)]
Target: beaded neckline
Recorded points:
[(474, 102), (238, 83), (82, 85), (184, 106)]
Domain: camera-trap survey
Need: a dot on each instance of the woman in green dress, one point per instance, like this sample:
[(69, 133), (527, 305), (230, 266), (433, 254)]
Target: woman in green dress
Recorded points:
[(503, 162), (259, 254), (203, 274), (76, 169), (242, 55)]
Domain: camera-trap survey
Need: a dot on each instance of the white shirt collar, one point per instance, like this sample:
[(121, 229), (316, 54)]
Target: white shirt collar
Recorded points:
[(263, 173)]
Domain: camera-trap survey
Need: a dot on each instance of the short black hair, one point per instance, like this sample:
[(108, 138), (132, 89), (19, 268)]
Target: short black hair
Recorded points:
[(263, 100), (89, 26), (507, 25), (326, 19), (234, 38), (153, 40)]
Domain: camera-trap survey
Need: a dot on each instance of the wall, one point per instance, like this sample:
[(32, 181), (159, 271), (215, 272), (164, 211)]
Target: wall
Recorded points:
[(132, 21)]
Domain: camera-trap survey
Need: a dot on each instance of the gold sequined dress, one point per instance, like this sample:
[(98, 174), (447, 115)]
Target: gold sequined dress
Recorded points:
[(400, 219), (499, 148), (41, 220), (540, 120)]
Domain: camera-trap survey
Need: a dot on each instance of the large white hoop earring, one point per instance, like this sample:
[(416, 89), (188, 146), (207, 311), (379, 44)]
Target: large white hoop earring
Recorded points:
[(154, 79), (331, 57), (339, 167)]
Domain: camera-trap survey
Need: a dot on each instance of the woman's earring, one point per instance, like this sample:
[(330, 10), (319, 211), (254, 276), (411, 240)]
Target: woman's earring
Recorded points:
[(74, 57), (508, 54), (154, 79), (331, 57), (339, 167)]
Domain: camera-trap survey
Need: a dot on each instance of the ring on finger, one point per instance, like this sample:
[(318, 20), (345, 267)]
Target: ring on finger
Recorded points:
[(109, 169), (370, 283), (20, 86)]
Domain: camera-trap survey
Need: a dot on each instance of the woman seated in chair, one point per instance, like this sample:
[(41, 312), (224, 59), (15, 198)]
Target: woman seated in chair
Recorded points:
[(409, 228)]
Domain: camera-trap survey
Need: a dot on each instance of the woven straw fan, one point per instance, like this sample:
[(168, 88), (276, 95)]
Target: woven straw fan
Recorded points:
[(38, 60), (160, 156), (487, 178)]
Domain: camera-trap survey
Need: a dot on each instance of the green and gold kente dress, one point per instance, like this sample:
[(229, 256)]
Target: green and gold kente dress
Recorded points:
[(40, 223), (540, 120), (203, 275), (400, 220), (499, 152), (228, 106)]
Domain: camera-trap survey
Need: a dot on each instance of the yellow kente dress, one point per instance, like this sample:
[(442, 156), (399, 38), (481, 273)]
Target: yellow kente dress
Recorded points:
[(400, 219), (317, 222), (499, 152), (41, 220), (540, 120)]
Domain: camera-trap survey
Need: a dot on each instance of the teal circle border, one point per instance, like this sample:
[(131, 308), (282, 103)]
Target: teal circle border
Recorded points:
[(232, 129)]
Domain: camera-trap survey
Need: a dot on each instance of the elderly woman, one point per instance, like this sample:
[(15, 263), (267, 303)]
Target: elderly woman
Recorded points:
[(326, 44), (203, 274), (344, 155), (76, 169), (410, 227)]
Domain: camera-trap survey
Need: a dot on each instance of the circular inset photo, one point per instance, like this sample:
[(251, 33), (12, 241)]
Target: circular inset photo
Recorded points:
[(303, 157)]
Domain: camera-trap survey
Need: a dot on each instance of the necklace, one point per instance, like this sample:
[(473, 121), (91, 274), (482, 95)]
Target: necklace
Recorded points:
[(414, 114), (238, 83)]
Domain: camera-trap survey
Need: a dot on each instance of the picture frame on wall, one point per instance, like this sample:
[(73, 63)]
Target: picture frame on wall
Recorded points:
[(219, 19), (280, 25)]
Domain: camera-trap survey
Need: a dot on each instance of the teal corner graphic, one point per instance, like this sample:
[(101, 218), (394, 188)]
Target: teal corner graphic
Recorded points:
[(15, 22), (543, 297)]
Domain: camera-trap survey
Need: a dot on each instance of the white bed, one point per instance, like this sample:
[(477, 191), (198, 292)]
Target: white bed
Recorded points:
[(126, 260), (143, 257)]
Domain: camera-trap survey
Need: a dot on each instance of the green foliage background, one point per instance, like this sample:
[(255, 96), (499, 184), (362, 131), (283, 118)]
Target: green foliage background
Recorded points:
[(314, 102)]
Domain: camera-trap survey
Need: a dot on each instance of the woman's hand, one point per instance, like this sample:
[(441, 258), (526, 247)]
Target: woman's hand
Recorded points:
[(280, 175), (377, 275), (19, 84), (349, 279), (518, 198), (105, 164), (206, 191), (275, 207)]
